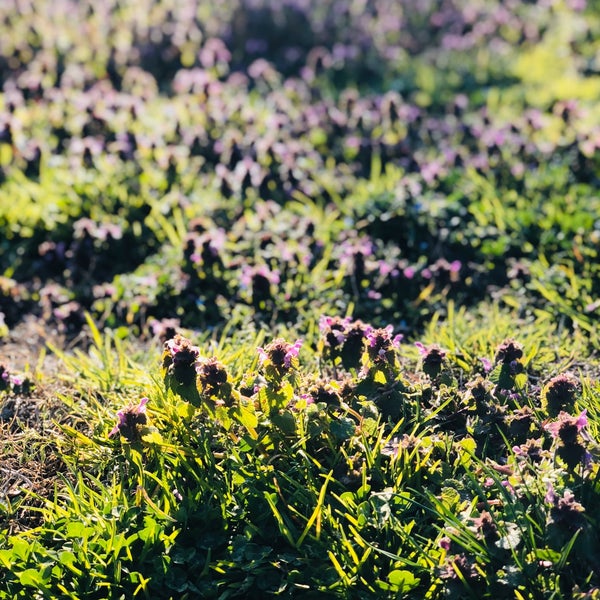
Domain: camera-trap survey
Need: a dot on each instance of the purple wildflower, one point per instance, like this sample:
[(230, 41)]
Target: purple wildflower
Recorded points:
[(432, 358), (334, 330), (559, 394), (486, 364), (212, 380), (566, 431), (566, 427), (179, 359), (508, 352), (381, 343), (279, 354), (565, 511), (129, 420), (445, 543)]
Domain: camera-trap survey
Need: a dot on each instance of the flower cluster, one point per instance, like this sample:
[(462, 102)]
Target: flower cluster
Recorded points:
[(382, 344), (213, 380), (567, 430), (565, 512), (130, 422), (432, 359), (559, 394), (179, 360), (279, 357)]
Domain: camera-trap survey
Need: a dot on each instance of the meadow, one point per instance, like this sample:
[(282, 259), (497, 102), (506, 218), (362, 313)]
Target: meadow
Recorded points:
[(299, 299)]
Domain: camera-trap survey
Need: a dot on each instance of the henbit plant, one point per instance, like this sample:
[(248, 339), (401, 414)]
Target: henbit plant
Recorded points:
[(269, 469)]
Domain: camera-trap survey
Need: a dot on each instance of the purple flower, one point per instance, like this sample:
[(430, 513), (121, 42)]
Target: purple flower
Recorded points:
[(565, 511), (279, 353), (381, 344), (432, 358), (559, 393), (334, 329), (445, 543), (129, 420), (566, 430), (409, 272), (509, 352), (487, 364), (566, 427)]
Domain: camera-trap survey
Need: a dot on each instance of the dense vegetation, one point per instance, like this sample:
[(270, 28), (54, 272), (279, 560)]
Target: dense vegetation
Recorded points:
[(323, 279)]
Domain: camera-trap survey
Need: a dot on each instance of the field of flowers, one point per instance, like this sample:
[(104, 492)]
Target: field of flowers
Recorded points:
[(299, 299)]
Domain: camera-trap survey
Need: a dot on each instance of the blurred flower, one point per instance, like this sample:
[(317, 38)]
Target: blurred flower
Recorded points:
[(333, 330), (129, 421), (432, 358), (559, 394), (164, 329), (486, 363), (4, 377), (565, 511), (508, 352)]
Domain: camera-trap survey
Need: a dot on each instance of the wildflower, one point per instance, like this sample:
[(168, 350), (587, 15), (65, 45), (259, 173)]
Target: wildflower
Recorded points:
[(559, 394), (279, 354), (259, 279), (566, 427), (164, 329), (325, 392), (480, 390), (333, 330), (409, 272), (531, 450), (565, 511), (4, 378), (432, 358), (129, 421), (566, 431), (381, 344), (445, 543), (508, 352), (179, 359), (486, 363), (353, 346), (486, 527), (459, 564), (520, 422), (212, 379), (391, 448)]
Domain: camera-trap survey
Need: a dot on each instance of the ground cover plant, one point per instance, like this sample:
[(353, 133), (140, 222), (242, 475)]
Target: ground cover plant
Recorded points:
[(299, 299)]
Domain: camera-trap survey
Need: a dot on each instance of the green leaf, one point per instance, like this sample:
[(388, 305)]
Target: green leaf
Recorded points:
[(343, 428), (31, 577), (246, 416), (402, 581), (285, 421)]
